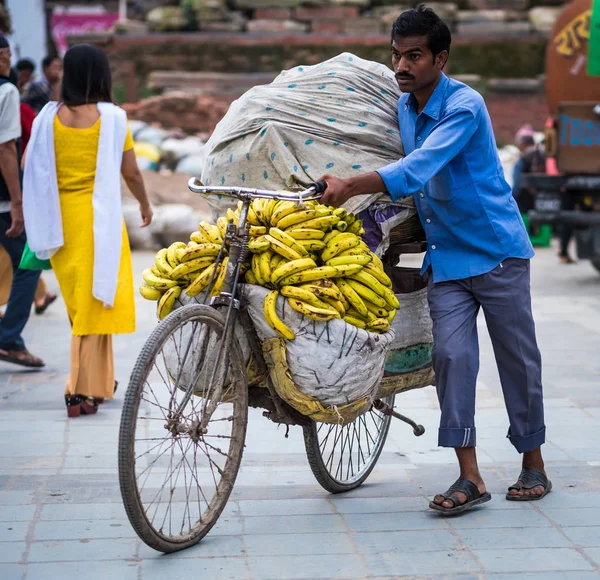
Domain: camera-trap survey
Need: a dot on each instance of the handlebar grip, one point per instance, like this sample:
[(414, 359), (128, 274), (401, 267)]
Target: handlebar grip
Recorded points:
[(320, 186)]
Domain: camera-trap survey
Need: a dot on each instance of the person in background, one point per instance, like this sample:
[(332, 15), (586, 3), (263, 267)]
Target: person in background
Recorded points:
[(47, 89), (25, 69), (6, 31), (531, 160), (73, 216), (12, 236)]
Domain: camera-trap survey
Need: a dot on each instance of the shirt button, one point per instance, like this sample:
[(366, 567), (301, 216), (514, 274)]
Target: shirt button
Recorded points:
[(433, 247), (428, 221), (418, 138), (422, 194)]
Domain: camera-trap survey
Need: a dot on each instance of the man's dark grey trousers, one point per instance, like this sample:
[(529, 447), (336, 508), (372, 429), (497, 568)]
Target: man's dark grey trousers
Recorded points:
[(505, 297)]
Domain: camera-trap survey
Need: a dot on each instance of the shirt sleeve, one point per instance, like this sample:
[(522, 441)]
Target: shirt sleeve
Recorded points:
[(128, 140), (10, 113), (408, 175)]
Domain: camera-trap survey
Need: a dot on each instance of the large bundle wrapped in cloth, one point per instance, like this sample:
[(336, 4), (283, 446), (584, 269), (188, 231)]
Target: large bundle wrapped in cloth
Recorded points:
[(338, 117)]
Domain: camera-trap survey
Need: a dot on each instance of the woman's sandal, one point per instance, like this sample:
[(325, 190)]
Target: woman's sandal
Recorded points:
[(530, 478), (78, 405), (48, 299), (474, 497)]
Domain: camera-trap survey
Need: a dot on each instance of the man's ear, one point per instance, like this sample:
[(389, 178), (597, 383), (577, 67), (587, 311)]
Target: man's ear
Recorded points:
[(441, 59)]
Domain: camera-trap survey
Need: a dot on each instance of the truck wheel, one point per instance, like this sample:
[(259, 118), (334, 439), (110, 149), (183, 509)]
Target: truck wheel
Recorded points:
[(596, 264)]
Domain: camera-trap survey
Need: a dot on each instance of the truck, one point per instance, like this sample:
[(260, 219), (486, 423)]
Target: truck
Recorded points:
[(569, 192)]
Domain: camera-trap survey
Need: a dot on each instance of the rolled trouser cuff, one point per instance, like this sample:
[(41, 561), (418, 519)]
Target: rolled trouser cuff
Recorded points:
[(528, 442), (457, 437)]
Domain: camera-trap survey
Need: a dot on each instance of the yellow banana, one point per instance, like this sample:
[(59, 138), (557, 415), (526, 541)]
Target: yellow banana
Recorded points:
[(360, 259), (336, 304), (287, 240), (210, 232), (355, 227), (283, 250), (191, 267), (150, 293), (166, 303), (302, 216), (156, 271), (366, 292), (381, 276), (259, 245), (256, 270), (283, 209), (320, 223), (348, 270), (304, 295), (391, 315), (378, 325), (222, 225), (201, 281), (352, 296), (199, 237), (370, 282), (312, 245), (306, 234), (276, 261), (391, 299), (256, 231), (344, 301), (376, 260), (341, 226), (220, 278), (157, 282), (251, 278), (252, 217), (268, 208), (322, 314), (231, 216), (259, 209), (355, 322), (375, 310), (310, 275), (339, 244), (273, 320), (264, 265), (160, 261), (200, 251), (340, 212), (172, 253), (324, 289), (291, 268)]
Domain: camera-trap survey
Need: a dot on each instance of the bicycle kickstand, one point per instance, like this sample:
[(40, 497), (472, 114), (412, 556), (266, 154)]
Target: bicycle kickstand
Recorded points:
[(384, 408)]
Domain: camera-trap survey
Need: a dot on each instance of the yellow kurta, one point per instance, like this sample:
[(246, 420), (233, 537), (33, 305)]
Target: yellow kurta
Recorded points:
[(76, 152)]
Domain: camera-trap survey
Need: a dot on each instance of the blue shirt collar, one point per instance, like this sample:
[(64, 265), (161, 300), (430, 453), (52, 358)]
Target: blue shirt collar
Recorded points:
[(434, 105)]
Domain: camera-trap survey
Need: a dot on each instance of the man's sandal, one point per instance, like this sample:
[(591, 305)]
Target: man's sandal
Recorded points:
[(474, 497), (21, 357), (529, 479)]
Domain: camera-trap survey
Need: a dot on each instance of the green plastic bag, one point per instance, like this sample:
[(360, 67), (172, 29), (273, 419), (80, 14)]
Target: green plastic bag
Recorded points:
[(593, 67), (29, 261)]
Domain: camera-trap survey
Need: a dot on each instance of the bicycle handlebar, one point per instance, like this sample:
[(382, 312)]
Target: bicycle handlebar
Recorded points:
[(314, 191)]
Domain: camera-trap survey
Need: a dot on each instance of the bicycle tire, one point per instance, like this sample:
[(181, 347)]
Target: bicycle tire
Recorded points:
[(319, 465), (138, 516)]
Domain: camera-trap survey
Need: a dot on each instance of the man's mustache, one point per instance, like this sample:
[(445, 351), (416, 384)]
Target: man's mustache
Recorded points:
[(405, 77)]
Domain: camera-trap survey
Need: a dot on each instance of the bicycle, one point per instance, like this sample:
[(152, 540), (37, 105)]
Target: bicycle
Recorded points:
[(171, 500)]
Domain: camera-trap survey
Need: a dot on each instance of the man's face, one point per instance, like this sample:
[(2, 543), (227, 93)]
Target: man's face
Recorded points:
[(414, 64), (5, 61), (24, 76), (53, 71)]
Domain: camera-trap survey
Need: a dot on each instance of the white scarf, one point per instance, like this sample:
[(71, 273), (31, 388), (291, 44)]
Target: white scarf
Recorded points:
[(41, 205)]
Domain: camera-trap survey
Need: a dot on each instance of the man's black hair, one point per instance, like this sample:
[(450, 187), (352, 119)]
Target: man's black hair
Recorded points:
[(48, 60), (25, 64), (423, 21)]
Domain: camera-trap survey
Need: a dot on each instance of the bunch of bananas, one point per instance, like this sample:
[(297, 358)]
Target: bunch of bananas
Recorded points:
[(311, 254)]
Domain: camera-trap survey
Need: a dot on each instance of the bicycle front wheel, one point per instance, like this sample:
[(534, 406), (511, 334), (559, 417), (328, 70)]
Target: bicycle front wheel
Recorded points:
[(179, 453), (341, 457)]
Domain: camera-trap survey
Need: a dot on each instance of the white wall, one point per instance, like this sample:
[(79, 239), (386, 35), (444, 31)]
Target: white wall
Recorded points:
[(29, 29)]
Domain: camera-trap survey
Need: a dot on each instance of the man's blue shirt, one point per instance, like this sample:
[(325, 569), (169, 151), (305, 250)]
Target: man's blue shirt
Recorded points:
[(453, 171)]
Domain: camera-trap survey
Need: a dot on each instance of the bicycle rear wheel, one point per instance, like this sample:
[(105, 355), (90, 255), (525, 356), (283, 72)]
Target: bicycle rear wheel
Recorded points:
[(177, 460), (341, 457)]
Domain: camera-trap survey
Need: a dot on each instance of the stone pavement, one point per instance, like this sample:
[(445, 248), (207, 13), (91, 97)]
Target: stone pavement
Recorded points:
[(61, 514)]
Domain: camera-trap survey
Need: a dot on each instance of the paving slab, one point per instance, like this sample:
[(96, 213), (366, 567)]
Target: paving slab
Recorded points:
[(61, 514)]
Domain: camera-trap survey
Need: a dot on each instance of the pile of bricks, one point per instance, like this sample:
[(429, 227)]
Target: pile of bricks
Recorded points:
[(368, 17)]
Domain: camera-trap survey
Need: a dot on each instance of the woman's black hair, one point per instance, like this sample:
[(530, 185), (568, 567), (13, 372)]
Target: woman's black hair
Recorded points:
[(423, 21), (86, 76)]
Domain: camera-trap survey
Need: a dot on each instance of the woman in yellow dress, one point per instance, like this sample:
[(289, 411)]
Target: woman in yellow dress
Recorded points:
[(86, 131)]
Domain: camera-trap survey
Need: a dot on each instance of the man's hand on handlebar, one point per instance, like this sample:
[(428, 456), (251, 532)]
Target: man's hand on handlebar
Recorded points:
[(339, 191)]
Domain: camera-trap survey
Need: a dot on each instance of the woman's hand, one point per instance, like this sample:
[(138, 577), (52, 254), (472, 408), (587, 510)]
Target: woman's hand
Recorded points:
[(147, 213)]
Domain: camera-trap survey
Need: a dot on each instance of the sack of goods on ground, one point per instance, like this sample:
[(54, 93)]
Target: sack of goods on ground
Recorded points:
[(310, 254)]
